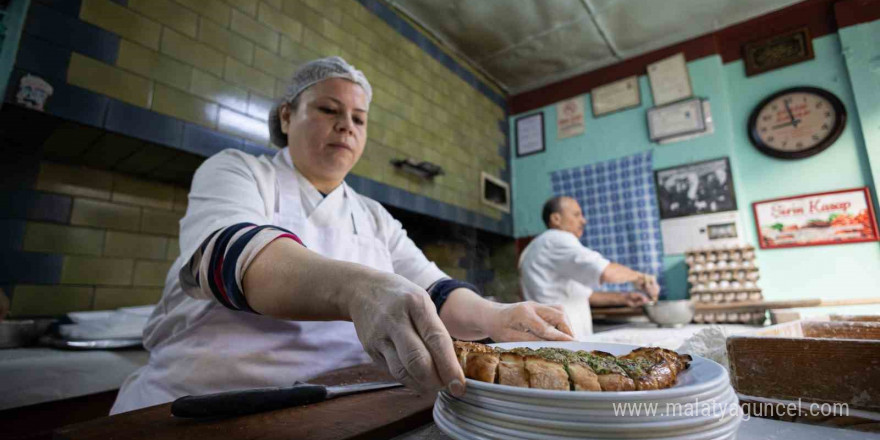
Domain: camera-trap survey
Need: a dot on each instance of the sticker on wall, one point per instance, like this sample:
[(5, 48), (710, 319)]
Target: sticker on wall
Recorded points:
[(33, 92), (570, 118)]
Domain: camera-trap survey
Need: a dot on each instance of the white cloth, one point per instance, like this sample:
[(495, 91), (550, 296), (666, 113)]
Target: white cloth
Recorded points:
[(555, 268), (197, 346)]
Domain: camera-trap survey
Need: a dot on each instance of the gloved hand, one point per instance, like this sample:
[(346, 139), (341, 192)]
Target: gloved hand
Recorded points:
[(528, 321), (634, 299), (398, 325)]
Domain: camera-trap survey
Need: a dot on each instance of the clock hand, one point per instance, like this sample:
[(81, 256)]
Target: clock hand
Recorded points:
[(790, 114), (783, 125)]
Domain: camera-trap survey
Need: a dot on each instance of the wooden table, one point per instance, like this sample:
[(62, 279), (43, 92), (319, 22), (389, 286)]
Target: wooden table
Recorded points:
[(379, 414)]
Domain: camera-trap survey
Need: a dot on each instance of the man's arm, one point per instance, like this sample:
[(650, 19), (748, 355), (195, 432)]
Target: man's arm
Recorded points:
[(617, 273), (610, 299)]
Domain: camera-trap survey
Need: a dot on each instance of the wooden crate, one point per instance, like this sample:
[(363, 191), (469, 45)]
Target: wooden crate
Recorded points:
[(817, 360)]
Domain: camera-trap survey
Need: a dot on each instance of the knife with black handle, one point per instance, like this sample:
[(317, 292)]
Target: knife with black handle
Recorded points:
[(237, 403)]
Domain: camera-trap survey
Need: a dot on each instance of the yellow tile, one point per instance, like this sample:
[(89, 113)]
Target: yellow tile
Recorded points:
[(121, 21), (183, 48), (247, 6), (276, 20), (152, 64), (33, 300), (249, 77), (112, 298), (274, 3), (259, 106), (142, 192), (74, 180), (170, 14), (254, 31), (127, 245), (226, 41), (108, 80), (215, 89), (213, 9), (94, 270), (240, 125), (182, 105), (87, 212), (181, 199), (296, 52), (62, 239), (151, 273), (158, 221), (333, 32), (280, 89), (173, 250), (319, 44), (274, 65)]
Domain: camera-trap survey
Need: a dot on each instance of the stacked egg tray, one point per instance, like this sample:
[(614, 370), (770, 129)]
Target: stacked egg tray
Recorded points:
[(724, 275)]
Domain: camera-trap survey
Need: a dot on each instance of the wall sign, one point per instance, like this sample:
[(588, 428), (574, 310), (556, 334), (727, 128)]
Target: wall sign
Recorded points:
[(778, 51), (570, 118), (837, 217), (616, 96), (674, 120), (670, 80), (529, 134)]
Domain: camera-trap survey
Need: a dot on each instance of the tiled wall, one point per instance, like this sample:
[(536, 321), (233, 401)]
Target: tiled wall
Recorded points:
[(88, 239), (219, 65)]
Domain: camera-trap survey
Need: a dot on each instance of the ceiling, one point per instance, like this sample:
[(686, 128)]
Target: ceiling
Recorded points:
[(525, 44)]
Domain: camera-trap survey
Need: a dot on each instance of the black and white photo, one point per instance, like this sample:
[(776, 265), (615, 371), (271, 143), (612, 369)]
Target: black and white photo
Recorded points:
[(697, 188)]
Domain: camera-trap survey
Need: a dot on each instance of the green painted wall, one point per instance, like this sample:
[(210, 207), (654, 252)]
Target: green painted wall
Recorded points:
[(824, 271)]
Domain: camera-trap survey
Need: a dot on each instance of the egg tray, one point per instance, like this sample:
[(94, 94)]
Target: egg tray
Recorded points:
[(751, 318), (727, 297)]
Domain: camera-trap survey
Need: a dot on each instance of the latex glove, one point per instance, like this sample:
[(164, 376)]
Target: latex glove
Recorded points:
[(398, 325), (528, 321)]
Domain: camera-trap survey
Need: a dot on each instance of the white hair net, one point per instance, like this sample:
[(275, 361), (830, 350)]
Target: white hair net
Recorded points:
[(308, 75)]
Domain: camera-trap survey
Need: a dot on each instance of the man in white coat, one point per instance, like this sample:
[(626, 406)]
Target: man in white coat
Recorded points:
[(555, 268), (285, 272)]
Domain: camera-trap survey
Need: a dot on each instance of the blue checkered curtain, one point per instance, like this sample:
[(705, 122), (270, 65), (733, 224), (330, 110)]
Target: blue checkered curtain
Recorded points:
[(619, 203)]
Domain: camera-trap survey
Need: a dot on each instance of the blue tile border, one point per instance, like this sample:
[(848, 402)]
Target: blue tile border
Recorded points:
[(39, 56), (35, 205), (143, 124), (206, 142), (407, 30), (69, 7), (70, 32), (30, 267), (11, 235)]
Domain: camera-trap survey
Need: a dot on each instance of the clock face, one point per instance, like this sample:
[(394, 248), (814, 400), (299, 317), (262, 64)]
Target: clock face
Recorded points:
[(797, 122)]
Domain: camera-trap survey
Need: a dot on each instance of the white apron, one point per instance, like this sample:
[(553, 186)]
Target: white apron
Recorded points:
[(206, 348)]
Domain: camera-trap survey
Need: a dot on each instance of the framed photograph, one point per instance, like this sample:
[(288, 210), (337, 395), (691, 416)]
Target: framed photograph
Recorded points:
[(836, 217), (529, 134), (676, 120), (670, 80), (616, 96), (695, 189), (778, 51), (495, 192), (570, 118)]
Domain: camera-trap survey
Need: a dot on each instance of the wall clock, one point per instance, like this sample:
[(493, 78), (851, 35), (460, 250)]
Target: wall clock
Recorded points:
[(796, 123)]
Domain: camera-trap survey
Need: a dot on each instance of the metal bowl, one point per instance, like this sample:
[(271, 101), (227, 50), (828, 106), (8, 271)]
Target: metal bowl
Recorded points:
[(21, 333), (671, 313)]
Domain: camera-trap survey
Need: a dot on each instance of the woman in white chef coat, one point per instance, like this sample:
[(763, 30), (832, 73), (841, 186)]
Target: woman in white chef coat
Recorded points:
[(286, 272)]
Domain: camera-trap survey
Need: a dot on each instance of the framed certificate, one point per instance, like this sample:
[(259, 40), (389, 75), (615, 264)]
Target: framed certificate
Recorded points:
[(676, 119), (529, 134), (670, 80), (616, 96)]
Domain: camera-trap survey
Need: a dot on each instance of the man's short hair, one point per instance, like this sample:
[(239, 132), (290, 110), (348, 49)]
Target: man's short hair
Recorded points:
[(552, 205)]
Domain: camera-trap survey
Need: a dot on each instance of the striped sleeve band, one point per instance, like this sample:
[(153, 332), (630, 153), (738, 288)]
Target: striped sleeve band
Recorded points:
[(216, 269)]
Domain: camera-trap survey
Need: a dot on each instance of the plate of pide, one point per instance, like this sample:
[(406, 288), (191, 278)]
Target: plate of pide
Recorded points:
[(543, 390)]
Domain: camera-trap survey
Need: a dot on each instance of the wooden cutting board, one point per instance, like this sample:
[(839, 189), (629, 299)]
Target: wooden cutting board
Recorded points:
[(379, 414)]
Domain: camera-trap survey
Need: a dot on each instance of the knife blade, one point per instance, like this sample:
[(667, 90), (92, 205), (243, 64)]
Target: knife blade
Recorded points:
[(241, 402)]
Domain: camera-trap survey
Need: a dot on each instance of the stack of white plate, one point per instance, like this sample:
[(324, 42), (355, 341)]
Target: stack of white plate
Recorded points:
[(701, 405)]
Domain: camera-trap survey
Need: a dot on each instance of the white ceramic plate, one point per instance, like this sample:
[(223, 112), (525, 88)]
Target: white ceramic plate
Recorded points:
[(461, 427), (700, 418), (703, 375)]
